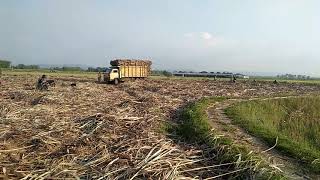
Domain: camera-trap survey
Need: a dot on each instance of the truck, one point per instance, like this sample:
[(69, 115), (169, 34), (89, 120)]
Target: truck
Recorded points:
[(122, 69)]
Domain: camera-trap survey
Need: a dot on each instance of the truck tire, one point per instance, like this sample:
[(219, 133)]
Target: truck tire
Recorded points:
[(116, 81)]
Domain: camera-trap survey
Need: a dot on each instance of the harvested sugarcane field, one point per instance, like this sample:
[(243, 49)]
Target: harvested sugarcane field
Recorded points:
[(139, 129), (159, 90)]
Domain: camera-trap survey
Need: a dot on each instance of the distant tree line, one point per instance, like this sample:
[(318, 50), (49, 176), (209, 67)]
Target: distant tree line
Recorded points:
[(161, 73), (97, 69), (5, 64), (23, 66), (66, 68), (293, 76)]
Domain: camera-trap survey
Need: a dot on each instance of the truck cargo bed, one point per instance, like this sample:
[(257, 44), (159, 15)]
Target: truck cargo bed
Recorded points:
[(133, 68)]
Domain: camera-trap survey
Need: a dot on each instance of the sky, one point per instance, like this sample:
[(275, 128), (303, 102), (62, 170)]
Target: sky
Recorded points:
[(278, 36)]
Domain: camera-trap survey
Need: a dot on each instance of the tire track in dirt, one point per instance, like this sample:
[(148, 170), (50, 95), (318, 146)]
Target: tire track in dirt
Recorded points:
[(223, 125)]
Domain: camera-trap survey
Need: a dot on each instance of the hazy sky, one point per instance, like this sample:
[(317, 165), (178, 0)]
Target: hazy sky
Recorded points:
[(212, 35)]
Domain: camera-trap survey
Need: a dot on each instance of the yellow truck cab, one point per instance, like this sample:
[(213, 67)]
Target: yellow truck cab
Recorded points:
[(112, 75), (122, 69)]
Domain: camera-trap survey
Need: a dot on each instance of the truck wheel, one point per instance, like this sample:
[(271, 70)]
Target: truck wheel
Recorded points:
[(116, 81)]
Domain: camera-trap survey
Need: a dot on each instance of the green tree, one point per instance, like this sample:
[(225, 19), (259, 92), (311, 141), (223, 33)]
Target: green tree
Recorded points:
[(32, 67), (4, 64), (71, 69), (167, 73), (20, 66), (23, 66), (161, 73)]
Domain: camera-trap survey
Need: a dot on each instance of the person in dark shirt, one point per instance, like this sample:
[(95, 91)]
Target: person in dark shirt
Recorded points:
[(42, 83)]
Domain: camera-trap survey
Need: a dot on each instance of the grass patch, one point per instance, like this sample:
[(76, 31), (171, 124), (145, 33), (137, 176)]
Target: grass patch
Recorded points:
[(314, 81), (294, 121), (194, 128)]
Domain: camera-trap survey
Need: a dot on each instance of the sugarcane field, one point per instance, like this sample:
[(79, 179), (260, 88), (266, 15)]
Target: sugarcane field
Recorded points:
[(104, 131)]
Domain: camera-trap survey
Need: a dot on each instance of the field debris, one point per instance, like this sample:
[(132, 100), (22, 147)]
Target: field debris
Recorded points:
[(99, 131)]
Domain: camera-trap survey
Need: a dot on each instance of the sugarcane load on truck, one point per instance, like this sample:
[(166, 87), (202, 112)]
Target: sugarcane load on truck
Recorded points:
[(122, 69)]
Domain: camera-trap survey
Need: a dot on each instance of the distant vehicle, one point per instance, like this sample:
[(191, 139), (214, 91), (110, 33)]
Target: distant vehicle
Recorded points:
[(122, 69), (203, 72)]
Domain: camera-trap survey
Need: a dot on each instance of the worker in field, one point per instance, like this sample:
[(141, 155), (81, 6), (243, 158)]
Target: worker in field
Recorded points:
[(99, 76), (42, 83), (233, 78)]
